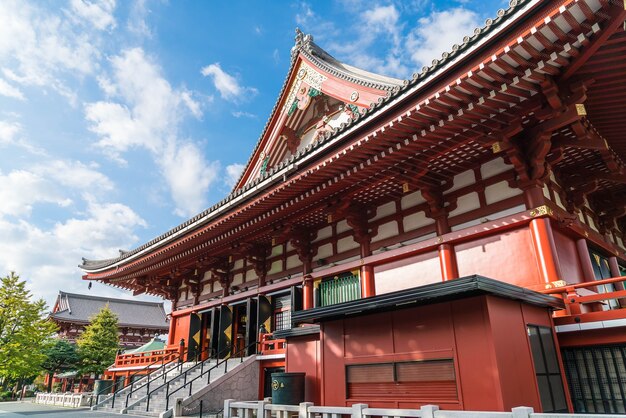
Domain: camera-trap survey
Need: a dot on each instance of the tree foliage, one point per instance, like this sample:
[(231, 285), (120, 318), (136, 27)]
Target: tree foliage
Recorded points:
[(25, 332), (61, 356), (98, 344)]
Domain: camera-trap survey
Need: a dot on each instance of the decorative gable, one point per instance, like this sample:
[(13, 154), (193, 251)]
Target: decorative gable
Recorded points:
[(320, 95)]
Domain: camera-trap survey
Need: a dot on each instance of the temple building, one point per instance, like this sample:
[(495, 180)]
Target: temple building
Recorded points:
[(457, 238), (139, 322)]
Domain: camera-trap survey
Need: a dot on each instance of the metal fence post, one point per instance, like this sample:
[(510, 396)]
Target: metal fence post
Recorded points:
[(357, 410), (522, 412), (428, 411), (227, 403)]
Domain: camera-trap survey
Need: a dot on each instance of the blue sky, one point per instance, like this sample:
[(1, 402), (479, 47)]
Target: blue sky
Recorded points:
[(120, 120)]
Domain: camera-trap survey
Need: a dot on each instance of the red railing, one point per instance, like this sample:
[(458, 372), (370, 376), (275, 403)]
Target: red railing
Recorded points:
[(268, 346), (599, 300), (146, 358)]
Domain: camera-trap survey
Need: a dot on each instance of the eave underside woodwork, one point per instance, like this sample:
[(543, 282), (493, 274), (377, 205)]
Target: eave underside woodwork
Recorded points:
[(522, 103)]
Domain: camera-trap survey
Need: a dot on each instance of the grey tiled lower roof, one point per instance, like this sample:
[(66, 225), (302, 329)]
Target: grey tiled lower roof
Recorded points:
[(72, 307)]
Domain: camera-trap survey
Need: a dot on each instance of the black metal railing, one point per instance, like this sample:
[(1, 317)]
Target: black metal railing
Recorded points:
[(179, 359), (145, 369), (203, 372)]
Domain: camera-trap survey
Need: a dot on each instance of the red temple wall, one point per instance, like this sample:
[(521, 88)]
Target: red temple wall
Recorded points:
[(304, 356), (485, 336), (568, 257), (508, 257)]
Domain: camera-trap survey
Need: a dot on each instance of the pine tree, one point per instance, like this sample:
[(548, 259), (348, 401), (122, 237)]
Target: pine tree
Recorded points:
[(98, 344), (60, 357), (25, 332)]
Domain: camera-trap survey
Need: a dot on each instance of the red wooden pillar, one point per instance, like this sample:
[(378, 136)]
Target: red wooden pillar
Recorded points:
[(368, 285), (447, 255), (585, 260), (307, 293), (545, 249), (447, 260)]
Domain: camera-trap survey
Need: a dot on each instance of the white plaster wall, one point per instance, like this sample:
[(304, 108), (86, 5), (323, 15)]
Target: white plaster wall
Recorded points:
[(323, 233), (500, 191), (385, 210), (276, 267), (237, 279), (346, 244), (419, 239), (277, 250), (490, 217), (465, 204), (412, 199), (462, 179), (325, 251), (494, 167), (415, 221), (388, 230), (342, 226), (238, 264), (293, 261), (407, 277)]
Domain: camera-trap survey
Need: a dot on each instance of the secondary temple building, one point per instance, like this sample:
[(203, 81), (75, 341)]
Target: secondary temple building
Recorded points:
[(139, 322), (454, 239)]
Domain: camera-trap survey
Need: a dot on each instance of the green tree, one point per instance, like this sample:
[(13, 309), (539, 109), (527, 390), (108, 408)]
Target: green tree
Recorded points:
[(98, 344), (25, 332), (61, 356)]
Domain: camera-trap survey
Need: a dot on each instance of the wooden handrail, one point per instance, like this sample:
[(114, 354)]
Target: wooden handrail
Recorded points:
[(570, 287)]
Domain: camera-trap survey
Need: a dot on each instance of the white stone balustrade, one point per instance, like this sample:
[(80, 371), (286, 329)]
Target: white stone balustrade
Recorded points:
[(70, 400)]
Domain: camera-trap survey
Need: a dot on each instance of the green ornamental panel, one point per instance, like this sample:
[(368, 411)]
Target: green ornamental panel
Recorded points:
[(341, 288)]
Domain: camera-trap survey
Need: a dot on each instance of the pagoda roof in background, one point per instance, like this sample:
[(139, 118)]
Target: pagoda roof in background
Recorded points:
[(76, 308)]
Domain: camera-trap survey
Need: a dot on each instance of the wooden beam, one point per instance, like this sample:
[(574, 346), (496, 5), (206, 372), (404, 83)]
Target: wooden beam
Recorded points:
[(616, 21)]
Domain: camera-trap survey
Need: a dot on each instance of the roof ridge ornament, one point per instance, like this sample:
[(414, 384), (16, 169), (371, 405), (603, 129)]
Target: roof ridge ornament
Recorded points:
[(302, 41)]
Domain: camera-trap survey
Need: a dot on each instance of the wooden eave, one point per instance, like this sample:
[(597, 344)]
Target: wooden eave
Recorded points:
[(447, 116)]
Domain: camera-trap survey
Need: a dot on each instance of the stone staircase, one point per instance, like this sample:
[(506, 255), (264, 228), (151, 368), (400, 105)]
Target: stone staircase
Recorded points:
[(140, 388), (160, 386)]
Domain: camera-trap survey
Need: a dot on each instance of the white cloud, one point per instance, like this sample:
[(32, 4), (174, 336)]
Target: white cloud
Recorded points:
[(51, 182), (241, 114), (145, 111), (188, 173), (136, 22), (21, 189), (48, 258), (96, 13), (75, 175), (233, 172), (38, 48), (8, 90), (226, 84), (437, 33), (9, 132)]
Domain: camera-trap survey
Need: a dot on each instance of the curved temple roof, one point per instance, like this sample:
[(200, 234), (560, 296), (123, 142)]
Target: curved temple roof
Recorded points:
[(396, 90), (76, 308)]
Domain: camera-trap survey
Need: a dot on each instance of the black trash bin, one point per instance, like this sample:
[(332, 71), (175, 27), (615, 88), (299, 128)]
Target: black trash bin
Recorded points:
[(287, 388)]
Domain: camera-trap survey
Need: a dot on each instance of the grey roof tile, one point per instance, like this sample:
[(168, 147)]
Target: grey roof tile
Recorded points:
[(81, 308)]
